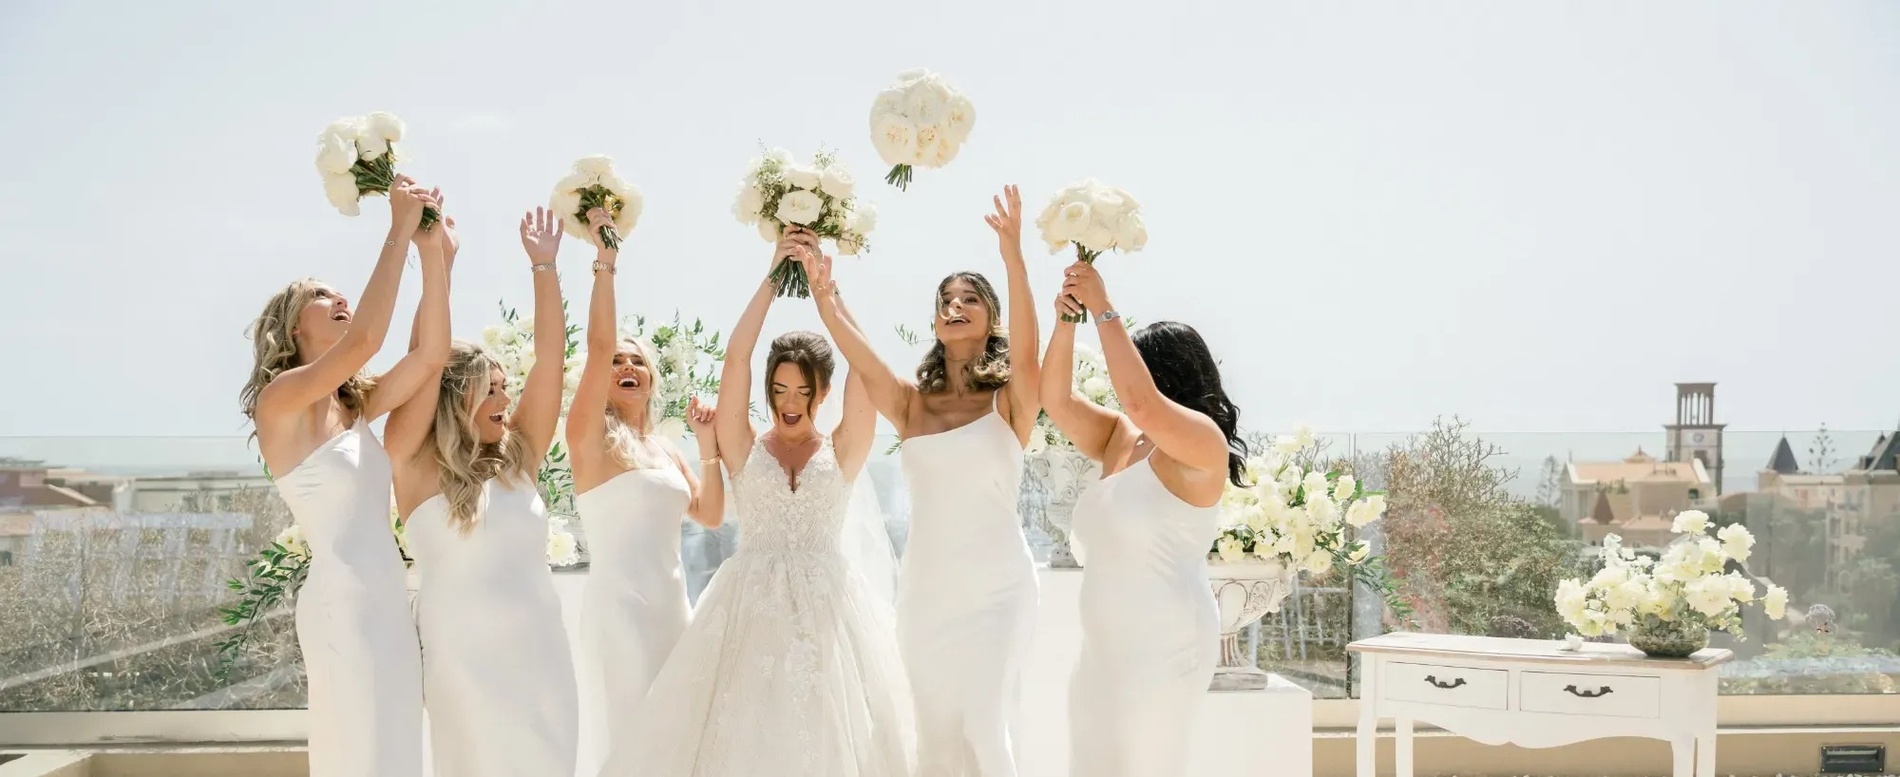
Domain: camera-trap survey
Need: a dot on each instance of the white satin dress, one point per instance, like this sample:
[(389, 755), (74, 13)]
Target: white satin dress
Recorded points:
[(966, 597), (789, 667), (1150, 627), (498, 679), (353, 626), (634, 607)]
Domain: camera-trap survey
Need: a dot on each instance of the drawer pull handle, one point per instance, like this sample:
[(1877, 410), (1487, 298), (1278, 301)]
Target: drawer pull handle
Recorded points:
[(1587, 694), (1455, 682)]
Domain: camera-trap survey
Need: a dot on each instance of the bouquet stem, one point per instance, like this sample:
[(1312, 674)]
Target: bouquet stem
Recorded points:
[(1087, 256), (375, 176), (789, 278), (609, 238), (899, 177)]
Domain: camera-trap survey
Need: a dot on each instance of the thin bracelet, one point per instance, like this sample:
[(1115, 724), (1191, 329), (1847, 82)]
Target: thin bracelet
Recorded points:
[(600, 265), (547, 266), (712, 460)]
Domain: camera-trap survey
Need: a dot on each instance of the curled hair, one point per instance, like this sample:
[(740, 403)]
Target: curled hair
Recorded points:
[(622, 436), (1185, 372), (991, 370), (463, 462), (274, 351), (810, 352)]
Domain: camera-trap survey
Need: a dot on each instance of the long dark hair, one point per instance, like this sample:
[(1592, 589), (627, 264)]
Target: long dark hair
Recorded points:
[(989, 371), (1185, 372), (812, 354)]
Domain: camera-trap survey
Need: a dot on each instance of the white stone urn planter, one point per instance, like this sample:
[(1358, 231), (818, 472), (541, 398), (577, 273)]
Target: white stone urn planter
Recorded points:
[(1245, 591), (1054, 479)]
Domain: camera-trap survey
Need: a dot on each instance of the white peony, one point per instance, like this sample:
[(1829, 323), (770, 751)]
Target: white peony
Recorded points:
[(336, 153), (340, 189), (895, 138), (1072, 221), (371, 146), (799, 207), (862, 219), (1230, 550), (1691, 522), (837, 182), (562, 549), (291, 538), (927, 101), (383, 124), (1345, 488), (748, 204), (1775, 604), (1132, 235), (770, 229), (1318, 562), (959, 118), (803, 178), (1736, 541)]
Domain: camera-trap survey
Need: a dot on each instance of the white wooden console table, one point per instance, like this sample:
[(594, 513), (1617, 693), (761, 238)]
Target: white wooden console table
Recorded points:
[(1533, 693)]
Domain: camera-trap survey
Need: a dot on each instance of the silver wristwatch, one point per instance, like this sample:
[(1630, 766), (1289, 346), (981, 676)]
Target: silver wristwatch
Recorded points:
[(1106, 316)]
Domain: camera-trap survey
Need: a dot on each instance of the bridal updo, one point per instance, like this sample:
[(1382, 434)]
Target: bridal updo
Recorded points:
[(810, 353)]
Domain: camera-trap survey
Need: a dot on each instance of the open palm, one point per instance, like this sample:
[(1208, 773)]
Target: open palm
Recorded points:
[(541, 235)]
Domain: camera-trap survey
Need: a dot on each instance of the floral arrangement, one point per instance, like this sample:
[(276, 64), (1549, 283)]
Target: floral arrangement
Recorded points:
[(1294, 514), (920, 121), (594, 184), (511, 342), (357, 157), (1095, 218), (817, 196), (1687, 586)]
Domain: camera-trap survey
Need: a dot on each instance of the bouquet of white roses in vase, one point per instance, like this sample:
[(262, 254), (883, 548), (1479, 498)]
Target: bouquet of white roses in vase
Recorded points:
[(594, 184), (1296, 515), (357, 157), (920, 121), (818, 196), (1095, 218), (1669, 606)]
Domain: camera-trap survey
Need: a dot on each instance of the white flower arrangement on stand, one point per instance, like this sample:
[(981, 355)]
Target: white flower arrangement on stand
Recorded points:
[(594, 184), (356, 156), (819, 196), (920, 121), (1669, 606), (1095, 218), (1295, 516)]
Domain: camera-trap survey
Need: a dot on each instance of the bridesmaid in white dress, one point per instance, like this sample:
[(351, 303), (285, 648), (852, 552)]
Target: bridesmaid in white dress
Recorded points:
[(498, 680), (632, 487), (1150, 632), (311, 404), (967, 591)]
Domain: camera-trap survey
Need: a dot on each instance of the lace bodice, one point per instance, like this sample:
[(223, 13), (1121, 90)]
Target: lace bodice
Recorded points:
[(773, 517)]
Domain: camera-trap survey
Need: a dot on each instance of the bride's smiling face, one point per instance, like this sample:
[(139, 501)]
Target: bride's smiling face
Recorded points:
[(793, 398)]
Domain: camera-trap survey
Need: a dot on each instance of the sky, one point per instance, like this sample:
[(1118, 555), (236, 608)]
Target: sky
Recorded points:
[(1536, 215)]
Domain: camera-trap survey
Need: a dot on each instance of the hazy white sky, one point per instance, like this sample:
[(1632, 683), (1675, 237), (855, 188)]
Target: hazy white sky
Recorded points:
[(1539, 215)]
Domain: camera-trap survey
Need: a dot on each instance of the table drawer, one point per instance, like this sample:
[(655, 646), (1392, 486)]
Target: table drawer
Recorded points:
[(1452, 686), (1590, 694)]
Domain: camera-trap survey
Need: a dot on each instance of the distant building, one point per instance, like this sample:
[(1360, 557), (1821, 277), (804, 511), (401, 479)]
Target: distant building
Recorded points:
[(1868, 491), (24, 484), (1637, 498)]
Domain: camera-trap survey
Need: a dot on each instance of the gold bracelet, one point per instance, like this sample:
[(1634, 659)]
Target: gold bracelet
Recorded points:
[(713, 460), (600, 265), (545, 267)]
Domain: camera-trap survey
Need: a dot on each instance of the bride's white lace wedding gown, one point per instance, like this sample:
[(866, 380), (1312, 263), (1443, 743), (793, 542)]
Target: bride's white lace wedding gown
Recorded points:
[(790, 666)]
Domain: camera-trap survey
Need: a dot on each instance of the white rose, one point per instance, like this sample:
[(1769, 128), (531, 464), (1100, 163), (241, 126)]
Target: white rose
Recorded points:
[(1132, 234), (1096, 387), (1360, 514), (340, 189), (1775, 604), (1691, 522), (385, 125), (1736, 541), (1345, 488), (800, 207), (959, 119), (1072, 221), (945, 152), (927, 101), (336, 153), (888, 101), (862, 219), (748, 204), (929, 137), (371, 146), (1318, 562), (1107, 203), (837, 182), (895, 138), (562, 550), (770, 229), (802, 177), (1230, 550), (1315, 485), (594, 165)]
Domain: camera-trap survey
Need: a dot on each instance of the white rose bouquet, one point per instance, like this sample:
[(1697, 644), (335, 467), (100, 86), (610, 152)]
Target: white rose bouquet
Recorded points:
[(357, 157), (1296, 514), (920, 121), (817, 196), (594, 184), (1095, 218), (1688, 586)]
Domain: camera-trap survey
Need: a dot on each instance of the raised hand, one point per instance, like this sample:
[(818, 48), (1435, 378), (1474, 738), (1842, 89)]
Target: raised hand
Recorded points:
[(1008, 222), (699, 418), (406, 201), (817, 270), (597, 220), (541, 235), (1067, 309), (1081, 281)]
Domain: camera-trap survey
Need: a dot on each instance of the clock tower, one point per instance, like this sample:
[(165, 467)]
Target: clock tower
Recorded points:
[(1695, 435)]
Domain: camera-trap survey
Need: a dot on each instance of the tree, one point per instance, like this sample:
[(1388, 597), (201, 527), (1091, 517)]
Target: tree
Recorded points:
[(1821, 452), (1550, 483)]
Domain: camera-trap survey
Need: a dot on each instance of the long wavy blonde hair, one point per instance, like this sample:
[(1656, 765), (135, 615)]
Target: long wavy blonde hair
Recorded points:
[(463, 462), (622, 438), (274, 351)]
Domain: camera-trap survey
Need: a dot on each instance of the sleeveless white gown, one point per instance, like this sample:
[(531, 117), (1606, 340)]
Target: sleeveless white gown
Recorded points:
[(633, 608), (966, 597), (789, 667), (1150, 627), (498, 679), (353, 627)]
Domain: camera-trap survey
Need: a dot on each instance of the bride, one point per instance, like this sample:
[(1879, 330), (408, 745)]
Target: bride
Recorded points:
[(790, 665)]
